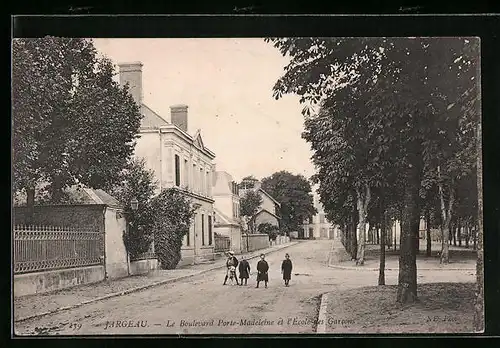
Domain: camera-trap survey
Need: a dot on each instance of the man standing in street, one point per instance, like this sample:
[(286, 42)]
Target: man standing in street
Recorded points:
[(262, 268), (231, 261)]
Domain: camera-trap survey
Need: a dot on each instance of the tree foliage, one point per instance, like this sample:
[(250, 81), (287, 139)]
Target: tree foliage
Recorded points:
[(250, 203), (379, 114), (72, 123), (137, 182), (173, 216), (293, 192), (271, 230)]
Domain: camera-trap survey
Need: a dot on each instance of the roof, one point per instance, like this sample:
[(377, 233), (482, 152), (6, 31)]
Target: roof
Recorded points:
[(91, 196), (271, 197), (151, 118), (223, 219), (266, 211)]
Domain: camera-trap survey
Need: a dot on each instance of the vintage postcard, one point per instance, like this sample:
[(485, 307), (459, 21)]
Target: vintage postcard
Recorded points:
[(246, 186)]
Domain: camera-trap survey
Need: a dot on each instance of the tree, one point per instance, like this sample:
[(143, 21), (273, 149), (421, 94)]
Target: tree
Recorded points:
[(249, 206), (72, 123), (293, 194), (248, 182), (479, 304), (173, 213), (403, 93), (137, 182), (271, 230)]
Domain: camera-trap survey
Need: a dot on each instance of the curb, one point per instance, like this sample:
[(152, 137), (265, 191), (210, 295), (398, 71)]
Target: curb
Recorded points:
[(360, 268), (321, 327), (140, 288)]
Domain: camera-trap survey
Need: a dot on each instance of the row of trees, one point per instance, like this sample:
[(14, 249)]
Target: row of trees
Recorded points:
[(392, 124)]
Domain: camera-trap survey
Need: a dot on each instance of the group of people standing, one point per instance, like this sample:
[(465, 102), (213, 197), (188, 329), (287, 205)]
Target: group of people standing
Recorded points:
[(262, 270)]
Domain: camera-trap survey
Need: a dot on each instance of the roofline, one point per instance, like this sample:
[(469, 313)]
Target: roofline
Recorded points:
[(174, 128), (262, 210), (268, 195)]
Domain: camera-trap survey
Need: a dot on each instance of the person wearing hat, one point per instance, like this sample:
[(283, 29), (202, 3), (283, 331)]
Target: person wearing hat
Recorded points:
[(286, 269), (244, 269), (262, 268), (231, 261)]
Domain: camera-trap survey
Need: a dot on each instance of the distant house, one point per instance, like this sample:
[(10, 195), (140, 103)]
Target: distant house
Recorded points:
[(269, 209), (318, 226), (178, 160), (227, 208)]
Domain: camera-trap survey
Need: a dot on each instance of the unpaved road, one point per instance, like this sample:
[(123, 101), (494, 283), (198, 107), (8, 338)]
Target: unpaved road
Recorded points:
[(202, 305)]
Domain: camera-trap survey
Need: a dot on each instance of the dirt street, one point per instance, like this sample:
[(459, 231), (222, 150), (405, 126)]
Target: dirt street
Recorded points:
[(202, 305)]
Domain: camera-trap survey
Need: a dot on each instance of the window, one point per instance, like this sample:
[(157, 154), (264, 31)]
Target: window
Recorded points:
[(202, 182), (310, 219), (187, 237), (209, 186), (186, 173), (321, 218), (177, 171), (209, 230), (202, 229), (195, 186)]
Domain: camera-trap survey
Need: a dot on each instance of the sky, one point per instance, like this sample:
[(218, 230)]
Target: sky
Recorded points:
[(227, 85)]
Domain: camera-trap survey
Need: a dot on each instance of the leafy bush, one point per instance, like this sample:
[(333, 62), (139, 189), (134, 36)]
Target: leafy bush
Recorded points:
[(173, 216), (136, 181), (271, 230)]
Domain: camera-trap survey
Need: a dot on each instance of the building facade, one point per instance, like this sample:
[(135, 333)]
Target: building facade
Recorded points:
[(318, 226), (269, 209), (227, 208), (177, 160)]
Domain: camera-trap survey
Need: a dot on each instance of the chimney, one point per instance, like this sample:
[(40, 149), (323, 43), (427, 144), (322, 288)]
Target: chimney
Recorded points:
[(131, 73), (179, 116)]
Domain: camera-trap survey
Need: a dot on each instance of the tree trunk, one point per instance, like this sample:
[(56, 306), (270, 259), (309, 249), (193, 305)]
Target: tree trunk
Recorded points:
[(467, 234), (407, 280), (354, 240), (395, 236), (363, 200), (454, 233), (479, 305), (56, 190), (459, 233), (474, 236), (381, 272), (446, 218), (30, 206), (445, 250), (428, 250), (417, 239)]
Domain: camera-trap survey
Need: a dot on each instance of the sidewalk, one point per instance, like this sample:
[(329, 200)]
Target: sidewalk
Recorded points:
[(32, 306)]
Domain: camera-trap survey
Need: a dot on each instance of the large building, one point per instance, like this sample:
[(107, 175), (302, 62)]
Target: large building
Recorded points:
[(318, 226), (227, 208), (178, 159)]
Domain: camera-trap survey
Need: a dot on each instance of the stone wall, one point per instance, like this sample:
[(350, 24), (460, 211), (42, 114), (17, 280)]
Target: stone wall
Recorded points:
[(40, 282), (143, 266), (255, 242)]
